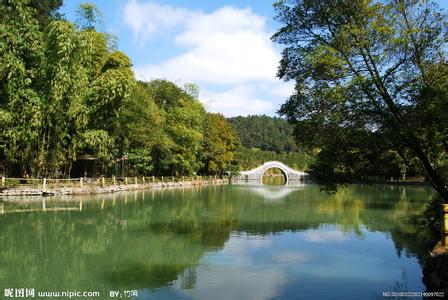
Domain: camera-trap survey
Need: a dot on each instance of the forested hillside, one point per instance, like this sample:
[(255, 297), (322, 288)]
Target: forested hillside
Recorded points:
[(265, 133), (266, 138)]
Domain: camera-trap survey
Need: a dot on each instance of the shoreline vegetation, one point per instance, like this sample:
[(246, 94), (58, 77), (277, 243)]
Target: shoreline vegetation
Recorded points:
[(81, 186)]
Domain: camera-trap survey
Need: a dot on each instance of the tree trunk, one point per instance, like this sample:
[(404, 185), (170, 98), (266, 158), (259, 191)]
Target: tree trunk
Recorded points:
[(435, 178)]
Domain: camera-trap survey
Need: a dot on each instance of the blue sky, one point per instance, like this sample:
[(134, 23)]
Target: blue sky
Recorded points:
[(223, 46)]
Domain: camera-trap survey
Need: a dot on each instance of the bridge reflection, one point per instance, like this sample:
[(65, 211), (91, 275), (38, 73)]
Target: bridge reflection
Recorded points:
[(271, 193)]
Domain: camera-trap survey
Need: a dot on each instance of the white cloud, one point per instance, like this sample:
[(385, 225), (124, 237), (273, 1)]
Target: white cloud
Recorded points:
[(243, 283), (238, 101), (292, 257), (242, 243), (283, 89), (229, 47), (226, 20), (318, 236), (150, 18)]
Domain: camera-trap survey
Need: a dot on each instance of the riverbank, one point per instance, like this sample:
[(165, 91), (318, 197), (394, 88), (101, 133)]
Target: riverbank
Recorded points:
[(101, 188)]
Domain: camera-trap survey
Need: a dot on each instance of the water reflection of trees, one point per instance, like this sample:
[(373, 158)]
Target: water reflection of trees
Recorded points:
[(148, 239)]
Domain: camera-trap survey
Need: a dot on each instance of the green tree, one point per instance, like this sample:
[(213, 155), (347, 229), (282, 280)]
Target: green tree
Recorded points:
[(140, 129), (180, 152), (61, 92), (185, 124), (363, 69), (21, 110), (220, 145), (64, 82), (84, 86)]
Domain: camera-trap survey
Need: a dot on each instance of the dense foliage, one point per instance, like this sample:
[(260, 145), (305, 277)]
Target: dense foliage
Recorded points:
[(371, 85), (70, 104)]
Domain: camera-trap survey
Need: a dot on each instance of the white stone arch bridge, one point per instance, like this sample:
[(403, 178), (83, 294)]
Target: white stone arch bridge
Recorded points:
[(257, 173)]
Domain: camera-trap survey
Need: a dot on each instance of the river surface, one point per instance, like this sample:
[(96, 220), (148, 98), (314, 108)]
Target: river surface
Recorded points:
[(218, 242)]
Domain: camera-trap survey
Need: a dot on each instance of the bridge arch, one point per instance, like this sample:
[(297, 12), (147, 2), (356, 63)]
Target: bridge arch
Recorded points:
[(284, 171), (257, 173)]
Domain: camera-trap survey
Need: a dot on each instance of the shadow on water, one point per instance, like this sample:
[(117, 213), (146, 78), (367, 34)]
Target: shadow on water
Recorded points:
[(151, 239)]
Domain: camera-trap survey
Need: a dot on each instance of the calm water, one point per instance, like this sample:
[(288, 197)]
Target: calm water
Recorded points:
[(220, 242)]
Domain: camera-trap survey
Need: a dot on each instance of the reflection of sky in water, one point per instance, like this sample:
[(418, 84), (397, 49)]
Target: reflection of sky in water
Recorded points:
[(322, 263)]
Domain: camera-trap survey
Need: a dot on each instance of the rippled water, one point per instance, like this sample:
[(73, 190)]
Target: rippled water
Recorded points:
[(219, 242)]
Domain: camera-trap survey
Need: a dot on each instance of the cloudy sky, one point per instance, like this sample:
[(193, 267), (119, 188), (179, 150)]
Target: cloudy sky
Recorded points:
[(223, 46)]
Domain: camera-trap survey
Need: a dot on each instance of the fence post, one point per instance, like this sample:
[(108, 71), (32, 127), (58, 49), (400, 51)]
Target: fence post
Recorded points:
[(3, 180), (80, 181), (45, 183)]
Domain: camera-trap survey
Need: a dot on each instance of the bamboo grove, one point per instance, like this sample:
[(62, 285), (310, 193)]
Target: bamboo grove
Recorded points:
[(67, 96)]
